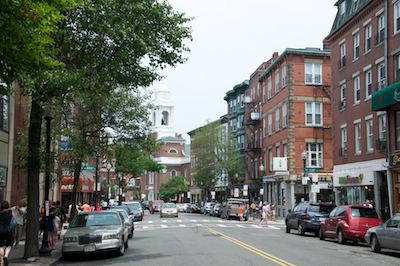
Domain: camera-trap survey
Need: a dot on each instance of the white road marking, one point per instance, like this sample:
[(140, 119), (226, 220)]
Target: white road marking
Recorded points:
[(256, 226), (206, 221), (239, 225), (221, 225), (199, 225), (179, 221), (145, 227), (150, 222), (164, 226), (164, 221), (182, 225), (193, 220)]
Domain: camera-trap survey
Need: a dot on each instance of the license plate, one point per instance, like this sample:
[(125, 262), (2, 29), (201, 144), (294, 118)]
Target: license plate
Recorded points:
[(89, 248), (322, 219)]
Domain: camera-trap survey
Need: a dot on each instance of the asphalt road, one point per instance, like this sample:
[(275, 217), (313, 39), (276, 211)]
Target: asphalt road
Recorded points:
[(193, 239)]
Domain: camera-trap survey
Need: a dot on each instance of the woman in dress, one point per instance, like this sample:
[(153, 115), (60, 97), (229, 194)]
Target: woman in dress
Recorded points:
[(6, 237), (265, 214)]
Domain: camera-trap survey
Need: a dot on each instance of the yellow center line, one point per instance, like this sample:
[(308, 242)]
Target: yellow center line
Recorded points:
[(179, 216), (251, 248)]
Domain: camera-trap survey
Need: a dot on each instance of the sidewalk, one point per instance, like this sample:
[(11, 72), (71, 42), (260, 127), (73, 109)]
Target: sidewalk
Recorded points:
[(17, 255)]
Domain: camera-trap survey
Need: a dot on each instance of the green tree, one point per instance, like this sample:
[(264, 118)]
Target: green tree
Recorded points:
[(105, 47), (216, 156), (173, 187)]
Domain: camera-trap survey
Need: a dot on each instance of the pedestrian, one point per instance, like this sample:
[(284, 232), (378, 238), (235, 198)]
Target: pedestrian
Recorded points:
[(58, 226), (60, 212), (52, 228), (253, 207), (91, 207), (265, 214), (99, 208), (247, 211), (19, 212), (24, 222), (86, 207), (6, 236), (368, 204), (240, 213), (272, 210)]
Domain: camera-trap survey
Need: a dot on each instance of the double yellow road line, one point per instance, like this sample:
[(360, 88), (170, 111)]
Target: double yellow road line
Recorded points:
[(251, 248)]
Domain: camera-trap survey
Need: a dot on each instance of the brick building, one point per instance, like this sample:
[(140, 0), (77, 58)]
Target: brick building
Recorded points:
[(365, 49), (296, 118)]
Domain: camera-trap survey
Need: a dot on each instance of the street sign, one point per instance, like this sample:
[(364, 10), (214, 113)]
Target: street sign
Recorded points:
[(312, 170), (88, 168)]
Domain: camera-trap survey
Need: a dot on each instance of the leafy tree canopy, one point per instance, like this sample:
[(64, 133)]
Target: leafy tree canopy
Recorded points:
[(171, 188)]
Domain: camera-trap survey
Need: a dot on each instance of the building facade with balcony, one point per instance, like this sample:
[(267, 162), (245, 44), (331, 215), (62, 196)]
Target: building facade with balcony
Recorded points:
[(296, 118), (365, 49)]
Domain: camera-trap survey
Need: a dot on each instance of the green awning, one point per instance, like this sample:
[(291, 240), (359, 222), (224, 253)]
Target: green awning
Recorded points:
[(386, 97)]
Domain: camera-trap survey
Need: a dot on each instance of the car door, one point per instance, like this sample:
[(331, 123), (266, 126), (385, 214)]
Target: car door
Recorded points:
[(391, 237), (292, 221), (339, 215)]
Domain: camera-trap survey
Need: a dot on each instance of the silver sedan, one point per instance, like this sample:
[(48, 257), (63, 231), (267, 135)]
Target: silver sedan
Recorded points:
[(100, 231), (168, 209), (386, 235)]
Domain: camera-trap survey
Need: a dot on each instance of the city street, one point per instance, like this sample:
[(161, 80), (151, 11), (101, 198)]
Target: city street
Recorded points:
[(194, 239)]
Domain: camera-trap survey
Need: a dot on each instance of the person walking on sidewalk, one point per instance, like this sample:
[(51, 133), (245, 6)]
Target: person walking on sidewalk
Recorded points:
[(265, 214), (253, 207), (247, 211), (19, 212), (6, 236), (273, 210)]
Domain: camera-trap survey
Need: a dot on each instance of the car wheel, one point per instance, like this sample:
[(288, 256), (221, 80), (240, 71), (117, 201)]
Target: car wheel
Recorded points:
[(227, 216), (375, 247), (340, 236), (287, 229), (321, 233), (300, 229), (130, 235), (121, 249), (65, 256)]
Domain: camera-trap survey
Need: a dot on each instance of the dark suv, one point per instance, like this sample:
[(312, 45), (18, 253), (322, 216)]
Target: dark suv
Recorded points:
[(306, 217)]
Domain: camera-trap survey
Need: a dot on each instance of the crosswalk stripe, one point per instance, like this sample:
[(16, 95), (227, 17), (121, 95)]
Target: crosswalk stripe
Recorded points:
[(221, 225), (182, 225), (145, 227), (164, 226), (150, 222), (164, 221), (239, 225), (179, 221)]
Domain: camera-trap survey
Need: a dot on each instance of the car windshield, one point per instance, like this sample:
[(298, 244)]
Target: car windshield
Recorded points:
[(134, 207), (364, 213), (123, 213), (321, 208), (169, 205), (97, 219), (158, 202)]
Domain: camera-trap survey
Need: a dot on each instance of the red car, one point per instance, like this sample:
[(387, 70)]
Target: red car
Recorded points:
[(349, 223), (155, 206)]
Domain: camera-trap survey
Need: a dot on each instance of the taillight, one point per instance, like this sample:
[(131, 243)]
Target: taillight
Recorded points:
[(306, 217), (230, 208)]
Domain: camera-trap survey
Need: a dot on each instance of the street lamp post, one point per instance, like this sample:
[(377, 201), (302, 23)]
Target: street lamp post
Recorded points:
[(97, 180), (45, 250), (261, 168), (108, 183), (304, 157)]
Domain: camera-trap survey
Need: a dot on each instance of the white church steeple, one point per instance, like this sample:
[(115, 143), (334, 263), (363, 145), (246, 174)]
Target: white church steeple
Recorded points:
[(163, 113)]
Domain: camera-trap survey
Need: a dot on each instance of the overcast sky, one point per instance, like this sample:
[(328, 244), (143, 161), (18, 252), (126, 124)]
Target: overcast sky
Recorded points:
[(231, 38)]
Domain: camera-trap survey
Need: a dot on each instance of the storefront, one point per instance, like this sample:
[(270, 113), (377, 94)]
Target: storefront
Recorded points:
[(85, 189), (354, 183)]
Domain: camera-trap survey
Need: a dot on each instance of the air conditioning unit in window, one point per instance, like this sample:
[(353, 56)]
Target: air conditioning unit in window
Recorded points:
[(255, 116), (247, 99)]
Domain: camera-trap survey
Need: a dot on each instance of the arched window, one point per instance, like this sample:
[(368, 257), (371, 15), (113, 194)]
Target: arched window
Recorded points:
[(173, 173), (173, 151), (164, 118)]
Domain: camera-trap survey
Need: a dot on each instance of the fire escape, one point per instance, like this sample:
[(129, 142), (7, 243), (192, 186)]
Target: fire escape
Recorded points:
[(253, 126)]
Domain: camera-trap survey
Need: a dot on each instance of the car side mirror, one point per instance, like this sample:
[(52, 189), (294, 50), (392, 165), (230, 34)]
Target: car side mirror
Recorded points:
[(127, 224), (289, 210)]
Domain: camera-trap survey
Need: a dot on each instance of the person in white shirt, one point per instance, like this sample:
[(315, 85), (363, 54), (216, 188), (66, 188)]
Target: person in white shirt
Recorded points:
[(19, 212), (368, 204)]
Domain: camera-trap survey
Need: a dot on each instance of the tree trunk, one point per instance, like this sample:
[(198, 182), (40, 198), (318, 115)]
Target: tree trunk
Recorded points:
[(77, 172), (32, 224)]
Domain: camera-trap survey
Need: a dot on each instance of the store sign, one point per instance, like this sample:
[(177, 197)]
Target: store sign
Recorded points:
[(220, 189), (280, 164), (395, 160), (351, 180)]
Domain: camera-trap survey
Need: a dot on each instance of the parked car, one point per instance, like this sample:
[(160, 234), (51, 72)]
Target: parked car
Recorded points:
[(231, 208), (215, 210), (386, 235), (129, 219), (307, 216), (206, 207), (168, 209), (91, 232), (349, 223), (182, 207), (193, 209), (136, 209), (155, 206), (145, 205)]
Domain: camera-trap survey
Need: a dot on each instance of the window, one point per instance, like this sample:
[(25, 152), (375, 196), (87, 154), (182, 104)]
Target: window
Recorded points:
[(256, 139), (276, 81), (270, 160), (284, 116), (313, 114), (278, 151), (368, 84), (397, 17), (283, 76), (277, 122), (382, 127), (269, 124), (264, 126), (269, 89), (355, 5), (397, 68), (261, 139), (238, 102), (342, 9), (285, 154), (343, 92), (357, 135), (370, 135), (342, 62), (397, 135), (368, 35), (314, 155), (313, 73), (173, 151), (173, 173), (258, 89), (242, 99), (356, 39), (263, 88), (381, 30), (381, 76), (242, 141), (357, 90), (4, 113), (151, 178), (343, 134)]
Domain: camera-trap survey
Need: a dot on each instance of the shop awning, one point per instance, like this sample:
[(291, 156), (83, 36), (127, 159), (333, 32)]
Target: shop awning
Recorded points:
[(84, 185), (386, 97)]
